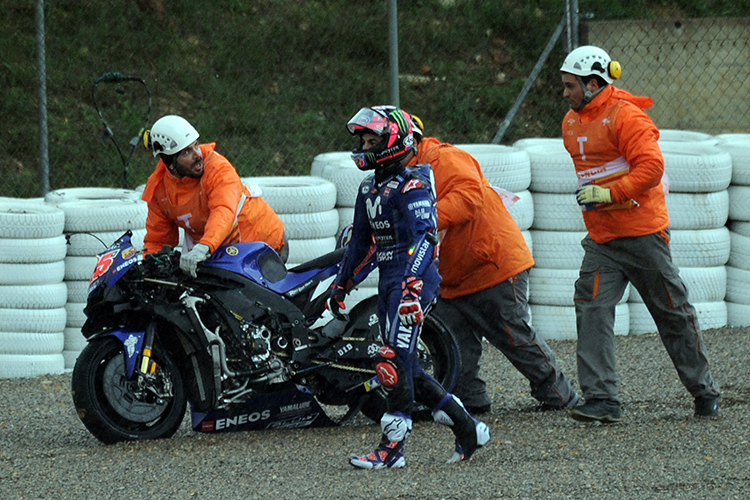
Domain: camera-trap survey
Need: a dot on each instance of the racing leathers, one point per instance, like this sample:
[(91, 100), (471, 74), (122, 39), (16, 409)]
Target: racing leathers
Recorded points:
[(395, 210)]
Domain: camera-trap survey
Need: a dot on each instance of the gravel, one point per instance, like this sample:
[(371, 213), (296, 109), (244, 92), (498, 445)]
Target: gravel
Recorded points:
[(658, 451)]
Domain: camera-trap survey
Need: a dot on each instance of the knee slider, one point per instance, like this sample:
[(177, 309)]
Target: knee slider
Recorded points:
[(387, 373), (386, 370), (396, 426)]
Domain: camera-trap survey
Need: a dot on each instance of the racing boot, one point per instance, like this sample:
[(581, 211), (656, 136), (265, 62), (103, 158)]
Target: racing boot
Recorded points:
[(471, 434), (390, 452)]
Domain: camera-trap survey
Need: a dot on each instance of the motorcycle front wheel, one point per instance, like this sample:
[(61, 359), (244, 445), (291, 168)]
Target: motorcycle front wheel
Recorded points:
[(114, 408)]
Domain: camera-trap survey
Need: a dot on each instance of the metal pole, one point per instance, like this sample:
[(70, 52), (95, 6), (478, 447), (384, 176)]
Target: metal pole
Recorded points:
[(393, 50), (41, 72), (529, 81), (571, 16)]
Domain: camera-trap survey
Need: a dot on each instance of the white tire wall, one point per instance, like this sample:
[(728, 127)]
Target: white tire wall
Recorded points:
[(522, 210), (32, 293), (296, 194), (306, 206), (672, 135), (558, 249), (738, 147), (94, 219), (25, 220), (559, 322), (698, 210), (557, 212), (700, 248), (346, 177), (505, 167), (739, 203), (704, 284), (552, 169), (738, 314), (710, 315), (696, 167), (556, 287)]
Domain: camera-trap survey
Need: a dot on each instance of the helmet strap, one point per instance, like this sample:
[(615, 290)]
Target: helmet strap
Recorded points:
[(588, 96)]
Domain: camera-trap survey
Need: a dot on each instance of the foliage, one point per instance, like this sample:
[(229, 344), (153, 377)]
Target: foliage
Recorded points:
[(274, 81)]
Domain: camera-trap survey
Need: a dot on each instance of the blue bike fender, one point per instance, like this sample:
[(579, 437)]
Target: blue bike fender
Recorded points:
[(132, 341)]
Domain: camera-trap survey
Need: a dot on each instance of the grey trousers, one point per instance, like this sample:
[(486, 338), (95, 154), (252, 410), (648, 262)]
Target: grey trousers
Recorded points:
[(501, 315), (645, 262)]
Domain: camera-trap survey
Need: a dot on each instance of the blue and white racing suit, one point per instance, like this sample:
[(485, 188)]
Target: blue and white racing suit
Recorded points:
[(398, 212)]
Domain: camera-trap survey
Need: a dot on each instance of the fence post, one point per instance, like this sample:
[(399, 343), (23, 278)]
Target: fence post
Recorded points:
[(393, 50), (571, 16), (41, 72)]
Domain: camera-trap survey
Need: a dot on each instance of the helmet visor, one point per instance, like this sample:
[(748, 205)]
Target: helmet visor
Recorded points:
[(368, 120)]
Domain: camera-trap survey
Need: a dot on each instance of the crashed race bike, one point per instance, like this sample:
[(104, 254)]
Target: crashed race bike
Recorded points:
[(246, 345)]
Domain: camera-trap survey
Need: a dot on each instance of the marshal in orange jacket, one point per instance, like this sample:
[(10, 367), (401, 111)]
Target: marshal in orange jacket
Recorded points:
[(207, 208), (613, 143), (482, 244)]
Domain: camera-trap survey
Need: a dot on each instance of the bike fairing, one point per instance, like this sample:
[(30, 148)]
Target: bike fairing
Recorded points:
[(295, 407)]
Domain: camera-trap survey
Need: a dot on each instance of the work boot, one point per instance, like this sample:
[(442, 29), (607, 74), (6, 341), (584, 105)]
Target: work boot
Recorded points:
[(602, 410), (390, 452), (707, 407), (471, 434)]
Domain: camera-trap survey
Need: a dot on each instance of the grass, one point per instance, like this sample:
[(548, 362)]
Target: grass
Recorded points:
[(274, 81)]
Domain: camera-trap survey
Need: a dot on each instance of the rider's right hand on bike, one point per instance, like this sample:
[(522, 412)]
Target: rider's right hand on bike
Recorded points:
[(336, 301)]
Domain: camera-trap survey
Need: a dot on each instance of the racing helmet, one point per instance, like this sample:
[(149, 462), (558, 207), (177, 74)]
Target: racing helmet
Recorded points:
[(589, 60), (393, 125), (169, 135)]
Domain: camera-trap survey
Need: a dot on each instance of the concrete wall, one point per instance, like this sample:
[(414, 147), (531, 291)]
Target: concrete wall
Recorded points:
[(696, 70)]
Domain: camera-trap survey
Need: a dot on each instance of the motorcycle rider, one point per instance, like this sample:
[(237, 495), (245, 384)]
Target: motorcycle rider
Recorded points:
[(395, 208), (195, 188)]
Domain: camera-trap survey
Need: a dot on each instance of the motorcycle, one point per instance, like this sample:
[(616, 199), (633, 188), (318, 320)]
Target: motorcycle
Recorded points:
[(246, 345)]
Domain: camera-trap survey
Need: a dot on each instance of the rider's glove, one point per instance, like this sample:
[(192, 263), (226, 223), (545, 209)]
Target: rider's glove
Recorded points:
[(593, 194), (336, 301), (189, 261), (410, 309)]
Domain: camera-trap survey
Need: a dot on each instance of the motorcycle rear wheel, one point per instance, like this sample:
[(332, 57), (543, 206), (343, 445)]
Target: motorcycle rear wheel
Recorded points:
[(109, 407), (439, 356)]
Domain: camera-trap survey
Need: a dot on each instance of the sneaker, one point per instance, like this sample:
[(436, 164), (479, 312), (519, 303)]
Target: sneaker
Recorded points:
[(601, 410), (572, 402), (466, 450), (707, 407), (389, 455)]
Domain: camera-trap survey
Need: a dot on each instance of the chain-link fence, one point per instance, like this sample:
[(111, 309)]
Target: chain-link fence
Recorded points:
[(274, 81)]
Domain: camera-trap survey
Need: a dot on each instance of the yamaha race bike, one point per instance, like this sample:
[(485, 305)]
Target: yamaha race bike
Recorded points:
[(245, 344)]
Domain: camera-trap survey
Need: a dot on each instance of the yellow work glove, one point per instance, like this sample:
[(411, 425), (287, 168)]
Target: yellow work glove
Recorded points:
[(593, 194)]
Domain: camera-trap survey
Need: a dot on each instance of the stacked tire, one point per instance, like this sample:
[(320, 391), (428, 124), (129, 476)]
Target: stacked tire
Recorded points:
[(32, 292), (738, 266), (338, 168), (556, 233), (509, 169), (94, 219), (698, 176)]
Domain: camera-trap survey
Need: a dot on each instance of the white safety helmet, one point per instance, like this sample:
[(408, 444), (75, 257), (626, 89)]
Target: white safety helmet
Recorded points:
[(588, 60), (170, 135)]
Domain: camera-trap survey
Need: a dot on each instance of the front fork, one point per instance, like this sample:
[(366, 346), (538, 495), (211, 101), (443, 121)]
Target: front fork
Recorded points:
[(148, 365)]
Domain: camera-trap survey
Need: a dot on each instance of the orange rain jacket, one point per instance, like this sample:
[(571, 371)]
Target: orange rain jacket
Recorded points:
[(613, 133), (206, 208), (482, 244)]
